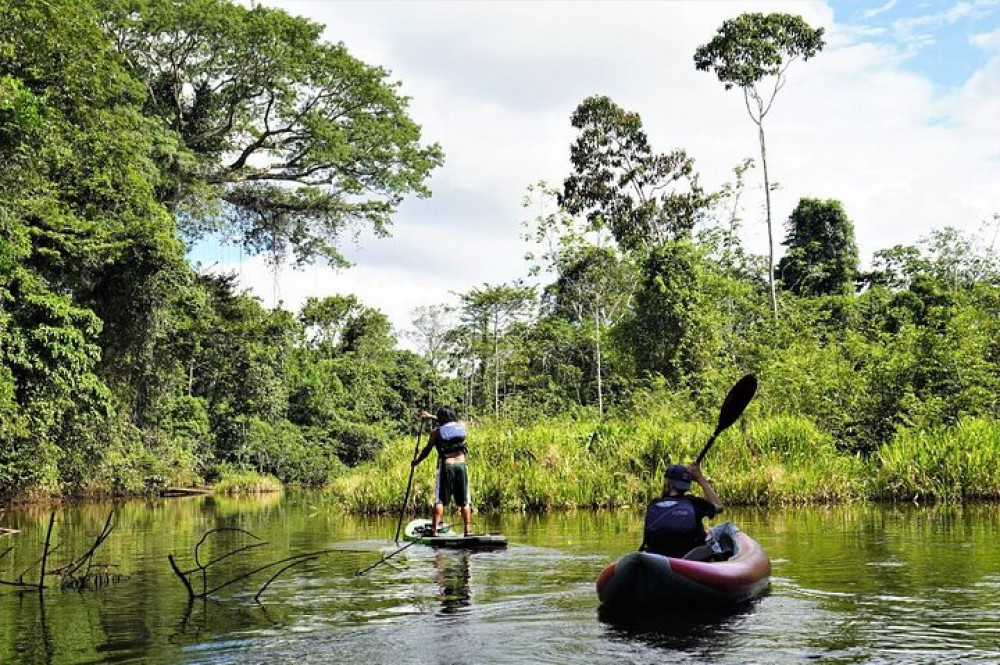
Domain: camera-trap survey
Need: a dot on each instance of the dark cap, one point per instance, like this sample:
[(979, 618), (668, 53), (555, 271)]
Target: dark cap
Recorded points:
[(680, 477)]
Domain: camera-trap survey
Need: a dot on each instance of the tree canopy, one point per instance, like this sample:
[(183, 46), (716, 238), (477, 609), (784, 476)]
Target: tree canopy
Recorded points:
[(276, 136), (822, 257), (619, 183)]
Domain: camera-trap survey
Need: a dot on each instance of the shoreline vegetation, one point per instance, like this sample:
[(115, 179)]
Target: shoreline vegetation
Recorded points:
[(567, 463), (582, 462)]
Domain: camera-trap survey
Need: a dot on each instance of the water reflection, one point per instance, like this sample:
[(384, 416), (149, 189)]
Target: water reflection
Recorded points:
[(35, 636), (452, 573), (857, 584), (682, 629)]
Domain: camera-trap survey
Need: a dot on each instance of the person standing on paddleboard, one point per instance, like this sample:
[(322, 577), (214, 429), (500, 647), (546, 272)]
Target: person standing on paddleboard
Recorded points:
[(452, 482), (674, 522)]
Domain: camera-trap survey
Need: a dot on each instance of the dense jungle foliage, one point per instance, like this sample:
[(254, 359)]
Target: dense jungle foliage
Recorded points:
[(130, 129)]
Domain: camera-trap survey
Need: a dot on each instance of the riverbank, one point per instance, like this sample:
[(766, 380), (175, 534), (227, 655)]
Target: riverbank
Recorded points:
[(569, 463), (566, 463)]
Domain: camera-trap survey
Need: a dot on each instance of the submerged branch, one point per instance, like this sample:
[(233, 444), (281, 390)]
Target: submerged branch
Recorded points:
[(202, 569), (79, 573)]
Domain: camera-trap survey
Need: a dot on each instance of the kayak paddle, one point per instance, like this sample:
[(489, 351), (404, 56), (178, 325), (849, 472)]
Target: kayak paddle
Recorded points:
[(732, 408)]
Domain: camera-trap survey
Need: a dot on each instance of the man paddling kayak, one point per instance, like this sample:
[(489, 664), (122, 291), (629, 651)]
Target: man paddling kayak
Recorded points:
[(674, 522), (452, 475)]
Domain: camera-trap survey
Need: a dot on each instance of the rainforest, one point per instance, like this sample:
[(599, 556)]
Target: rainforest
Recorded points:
[(129, 131)]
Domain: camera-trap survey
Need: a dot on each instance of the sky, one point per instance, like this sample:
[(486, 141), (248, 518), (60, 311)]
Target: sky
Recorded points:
[(898, 118)]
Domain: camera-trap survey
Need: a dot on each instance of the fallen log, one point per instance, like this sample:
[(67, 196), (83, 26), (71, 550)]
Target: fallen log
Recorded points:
[(185, 491)]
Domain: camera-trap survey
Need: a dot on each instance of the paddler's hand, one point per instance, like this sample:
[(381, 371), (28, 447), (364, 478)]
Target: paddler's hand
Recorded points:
[(427, 416), (696, 472)]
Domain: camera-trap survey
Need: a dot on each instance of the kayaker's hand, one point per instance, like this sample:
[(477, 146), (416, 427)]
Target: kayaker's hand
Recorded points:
[(426, 416), (696, 472)]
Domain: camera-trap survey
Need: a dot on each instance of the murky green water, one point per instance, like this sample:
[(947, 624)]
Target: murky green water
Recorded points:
[(851, 585)]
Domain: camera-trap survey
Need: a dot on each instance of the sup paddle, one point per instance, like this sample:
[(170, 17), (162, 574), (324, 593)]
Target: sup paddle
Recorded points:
[(732, 408), (409, 483), (362, 571)]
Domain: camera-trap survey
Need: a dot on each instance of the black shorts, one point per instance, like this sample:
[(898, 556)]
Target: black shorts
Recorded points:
[(452, 484)]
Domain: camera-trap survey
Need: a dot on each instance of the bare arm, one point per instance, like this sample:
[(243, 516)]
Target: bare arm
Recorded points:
[(430, 440), (706, 487)]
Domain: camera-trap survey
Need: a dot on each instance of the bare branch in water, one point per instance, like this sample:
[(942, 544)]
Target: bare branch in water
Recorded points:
[(79, 573), (202, 569)]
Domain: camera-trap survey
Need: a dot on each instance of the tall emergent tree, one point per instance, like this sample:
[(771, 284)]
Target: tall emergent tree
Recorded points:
[(290, 138), (822, 258), (753, 51), (619, 183)]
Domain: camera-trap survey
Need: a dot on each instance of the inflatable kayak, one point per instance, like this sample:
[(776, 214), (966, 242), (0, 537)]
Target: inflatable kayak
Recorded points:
[(731, 568), (419, 531)]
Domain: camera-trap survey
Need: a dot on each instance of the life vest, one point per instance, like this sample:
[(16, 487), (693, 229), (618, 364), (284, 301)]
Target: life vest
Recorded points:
[(451, 439), (668, 517)]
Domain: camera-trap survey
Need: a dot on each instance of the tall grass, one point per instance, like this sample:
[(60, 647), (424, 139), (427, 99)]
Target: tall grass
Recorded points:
[(941, 463), (582, 462), (243, 481)]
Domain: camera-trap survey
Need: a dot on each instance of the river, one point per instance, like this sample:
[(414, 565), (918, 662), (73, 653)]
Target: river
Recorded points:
[(851, 584)]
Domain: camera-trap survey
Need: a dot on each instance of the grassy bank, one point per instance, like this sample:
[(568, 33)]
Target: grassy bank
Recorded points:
[(566, 463)]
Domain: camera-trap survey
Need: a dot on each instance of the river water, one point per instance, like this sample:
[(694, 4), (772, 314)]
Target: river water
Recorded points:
[(851, 584)]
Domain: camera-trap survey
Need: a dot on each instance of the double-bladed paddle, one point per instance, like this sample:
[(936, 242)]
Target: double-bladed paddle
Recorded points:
[(732, 408)]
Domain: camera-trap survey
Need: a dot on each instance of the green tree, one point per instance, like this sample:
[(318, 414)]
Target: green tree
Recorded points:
[(593, 281), (753, 51), (619, 183), (671, 330), (488, 314), (92, 252), (326, 319), (822, 257), (292, 139)]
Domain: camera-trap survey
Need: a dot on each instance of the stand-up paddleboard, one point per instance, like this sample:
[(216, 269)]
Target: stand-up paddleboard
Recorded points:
[(419, 531)]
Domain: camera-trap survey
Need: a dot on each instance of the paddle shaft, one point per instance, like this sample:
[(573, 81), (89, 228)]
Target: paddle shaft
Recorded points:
[(409, 483), (362, 571), (708, 445)]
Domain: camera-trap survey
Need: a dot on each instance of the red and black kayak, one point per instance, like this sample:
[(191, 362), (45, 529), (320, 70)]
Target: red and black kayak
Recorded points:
[(731, 568)]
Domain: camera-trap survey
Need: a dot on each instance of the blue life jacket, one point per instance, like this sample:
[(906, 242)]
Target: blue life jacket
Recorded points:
[(672, 526), (451, 439)]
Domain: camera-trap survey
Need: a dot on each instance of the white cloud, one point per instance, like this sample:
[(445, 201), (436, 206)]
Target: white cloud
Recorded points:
[(875, 11), (495, 84), (988, 41)]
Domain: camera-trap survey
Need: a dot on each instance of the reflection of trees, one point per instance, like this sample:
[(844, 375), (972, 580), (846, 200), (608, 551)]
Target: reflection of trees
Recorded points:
[(33, 637), (453, 581)]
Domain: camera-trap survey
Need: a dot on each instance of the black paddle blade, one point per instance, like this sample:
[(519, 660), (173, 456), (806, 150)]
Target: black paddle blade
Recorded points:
[(736, 401)]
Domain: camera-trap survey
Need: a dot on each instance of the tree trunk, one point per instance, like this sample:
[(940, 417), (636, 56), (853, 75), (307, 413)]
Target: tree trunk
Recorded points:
[(597, 340), (770, 232), (496, 368)]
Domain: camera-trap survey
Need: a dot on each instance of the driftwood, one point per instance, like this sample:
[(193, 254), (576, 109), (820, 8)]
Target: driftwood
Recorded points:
[(79, 573), (185, 491), (7, 532), (201, 570)]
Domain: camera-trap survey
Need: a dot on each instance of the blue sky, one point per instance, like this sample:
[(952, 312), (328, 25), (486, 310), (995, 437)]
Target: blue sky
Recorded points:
[(896, 118), (937, 39)]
